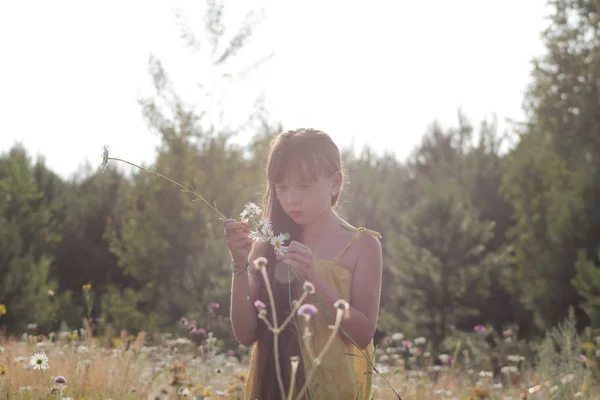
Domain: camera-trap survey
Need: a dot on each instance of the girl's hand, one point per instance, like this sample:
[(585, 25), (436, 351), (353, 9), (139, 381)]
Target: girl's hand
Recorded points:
[(299, 257), (236, 235)]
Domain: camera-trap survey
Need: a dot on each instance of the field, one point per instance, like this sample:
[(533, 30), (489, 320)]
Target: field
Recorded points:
[(128, 367)]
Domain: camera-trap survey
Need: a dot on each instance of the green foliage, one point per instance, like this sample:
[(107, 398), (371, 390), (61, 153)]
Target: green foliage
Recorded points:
[(587, 283), (28, 237), (559, 361)]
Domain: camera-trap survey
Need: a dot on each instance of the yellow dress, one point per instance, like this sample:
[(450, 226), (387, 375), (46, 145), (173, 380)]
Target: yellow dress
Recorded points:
[(344, 374)]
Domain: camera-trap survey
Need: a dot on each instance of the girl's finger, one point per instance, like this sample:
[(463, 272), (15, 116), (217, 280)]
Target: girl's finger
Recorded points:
[(235, 226)]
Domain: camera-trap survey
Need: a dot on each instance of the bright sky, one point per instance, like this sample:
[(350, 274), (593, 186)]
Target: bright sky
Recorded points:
[(367, 72)]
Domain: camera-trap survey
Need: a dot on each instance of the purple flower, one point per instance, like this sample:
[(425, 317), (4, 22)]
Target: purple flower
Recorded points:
[(388, 340), (259, 305), (583, 357), (307, 310), (407, 344), (202, 331), (480, 328), (183, 321), (230, 353), (60, 380)]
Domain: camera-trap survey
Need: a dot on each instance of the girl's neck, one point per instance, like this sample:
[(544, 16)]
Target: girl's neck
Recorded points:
[(320, 225)]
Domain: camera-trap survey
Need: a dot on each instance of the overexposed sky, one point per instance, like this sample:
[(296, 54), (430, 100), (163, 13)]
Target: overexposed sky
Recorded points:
[(367, 72)]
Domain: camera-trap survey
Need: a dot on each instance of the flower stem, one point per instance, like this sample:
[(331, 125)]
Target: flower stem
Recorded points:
[(317, 361), (357, 346), (45, 378), (172, 181), (275, 333)]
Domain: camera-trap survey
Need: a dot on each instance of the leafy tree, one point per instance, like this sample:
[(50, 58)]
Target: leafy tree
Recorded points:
[(28, 236)]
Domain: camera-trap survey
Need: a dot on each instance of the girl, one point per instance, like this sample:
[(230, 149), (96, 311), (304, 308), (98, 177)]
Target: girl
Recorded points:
[(304, 179)]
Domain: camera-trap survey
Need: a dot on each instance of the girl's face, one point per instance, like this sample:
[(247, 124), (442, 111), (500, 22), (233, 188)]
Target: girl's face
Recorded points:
[(303, 199)]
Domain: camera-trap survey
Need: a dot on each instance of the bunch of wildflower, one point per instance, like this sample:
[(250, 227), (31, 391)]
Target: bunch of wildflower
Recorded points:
[(263, 230)]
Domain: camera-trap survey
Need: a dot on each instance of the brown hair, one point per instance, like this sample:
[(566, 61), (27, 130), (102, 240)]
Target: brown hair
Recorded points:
[(310, 154)]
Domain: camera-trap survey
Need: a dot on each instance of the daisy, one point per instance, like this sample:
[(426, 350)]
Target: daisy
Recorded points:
[(277, 243), (39, 361)]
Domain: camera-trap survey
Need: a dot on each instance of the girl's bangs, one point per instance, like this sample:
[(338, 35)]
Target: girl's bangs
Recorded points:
[(299, 163)]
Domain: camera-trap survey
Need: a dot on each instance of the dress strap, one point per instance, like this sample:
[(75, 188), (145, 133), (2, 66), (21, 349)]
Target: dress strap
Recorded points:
[(357, 233)]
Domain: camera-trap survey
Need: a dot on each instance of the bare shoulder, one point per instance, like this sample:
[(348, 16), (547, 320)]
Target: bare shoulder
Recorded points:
[(370, 249)]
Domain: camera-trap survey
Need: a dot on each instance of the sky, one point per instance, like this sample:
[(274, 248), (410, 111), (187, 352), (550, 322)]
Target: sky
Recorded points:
[(374, 73)]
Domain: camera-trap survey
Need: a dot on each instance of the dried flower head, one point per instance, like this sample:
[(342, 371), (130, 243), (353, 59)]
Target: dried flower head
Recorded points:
[(309, 287), (260, 263), (104, 157), (60, 380)]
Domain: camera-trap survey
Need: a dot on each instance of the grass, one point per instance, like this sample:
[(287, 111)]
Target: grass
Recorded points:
[(169, 367)]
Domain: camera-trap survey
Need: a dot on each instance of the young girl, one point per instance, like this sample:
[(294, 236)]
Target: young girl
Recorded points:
[(304, 179)]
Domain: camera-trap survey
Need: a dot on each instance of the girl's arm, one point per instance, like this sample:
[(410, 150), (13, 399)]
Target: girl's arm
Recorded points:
[(365, 293), (245, 290)]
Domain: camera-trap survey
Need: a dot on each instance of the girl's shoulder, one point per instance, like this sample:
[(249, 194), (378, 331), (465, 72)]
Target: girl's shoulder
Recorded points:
[(359, 231)]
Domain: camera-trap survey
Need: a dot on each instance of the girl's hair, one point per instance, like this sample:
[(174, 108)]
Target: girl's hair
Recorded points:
[(308, 154)]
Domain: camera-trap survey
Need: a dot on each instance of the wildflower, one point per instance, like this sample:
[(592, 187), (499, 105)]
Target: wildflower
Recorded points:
[(259, 305), (212, 306), (515, 358), (445, 358), (567, 378), (309, 287), (387, 340), (183, 321), (104, 157), (277, 243), (39, 361), (231, 353), (396, 337), (60, 380), (2, 309), (50, 292), (32, 326), (307, 310), (3, 370), (87, 286), (479, 328), (250, 210), (420, 340), (407, 344), (260, 263), (55, 391)]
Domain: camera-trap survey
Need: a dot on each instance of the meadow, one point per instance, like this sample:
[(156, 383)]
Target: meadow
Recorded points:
[(78, 365)]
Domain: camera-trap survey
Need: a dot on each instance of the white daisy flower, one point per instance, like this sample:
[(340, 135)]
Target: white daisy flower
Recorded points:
[(265, 228), (39, 361), (277, 243), (250, 210)]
